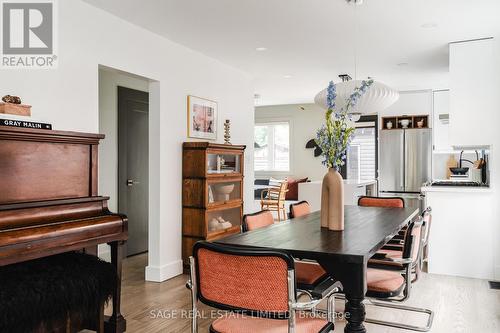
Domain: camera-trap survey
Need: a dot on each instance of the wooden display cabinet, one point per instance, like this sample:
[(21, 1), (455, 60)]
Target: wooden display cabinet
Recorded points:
[(212, 192)]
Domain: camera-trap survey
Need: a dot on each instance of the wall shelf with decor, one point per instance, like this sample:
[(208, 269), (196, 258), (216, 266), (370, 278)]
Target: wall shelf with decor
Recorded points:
[(212, 192), (405, 122)]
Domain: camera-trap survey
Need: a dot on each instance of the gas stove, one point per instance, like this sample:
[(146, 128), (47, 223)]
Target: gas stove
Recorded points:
[(455, 182)]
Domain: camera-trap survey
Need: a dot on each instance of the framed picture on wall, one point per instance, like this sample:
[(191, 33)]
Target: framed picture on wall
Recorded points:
[(202, 118)]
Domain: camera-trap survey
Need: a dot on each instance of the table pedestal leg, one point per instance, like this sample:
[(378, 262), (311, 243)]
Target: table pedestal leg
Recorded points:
[(352, 277), (355, 314)]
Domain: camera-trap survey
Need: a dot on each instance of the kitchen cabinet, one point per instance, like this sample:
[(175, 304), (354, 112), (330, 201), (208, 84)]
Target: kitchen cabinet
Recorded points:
[(440, 128), (462, 237), (473, 92)]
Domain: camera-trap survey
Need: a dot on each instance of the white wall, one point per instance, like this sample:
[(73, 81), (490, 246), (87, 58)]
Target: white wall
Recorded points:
[(495, 155), (67, 97), (417, 102), (303, 127)]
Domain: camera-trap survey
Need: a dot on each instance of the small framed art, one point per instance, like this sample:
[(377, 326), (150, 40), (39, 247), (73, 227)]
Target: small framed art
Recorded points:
[(202, 118)]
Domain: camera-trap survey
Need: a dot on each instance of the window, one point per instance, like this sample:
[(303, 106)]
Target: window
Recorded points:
[(272, 146), (362, 154)]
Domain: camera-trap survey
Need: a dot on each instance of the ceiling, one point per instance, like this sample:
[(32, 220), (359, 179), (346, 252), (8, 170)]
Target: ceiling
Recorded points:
[(402, 43)]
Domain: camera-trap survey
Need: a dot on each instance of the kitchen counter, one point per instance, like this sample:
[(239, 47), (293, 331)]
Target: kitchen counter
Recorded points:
[(457, 189), (359, 182), (350, 182), (353, 189)]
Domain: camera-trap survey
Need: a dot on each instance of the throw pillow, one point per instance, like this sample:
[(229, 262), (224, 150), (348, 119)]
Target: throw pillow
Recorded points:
[(293, 188)]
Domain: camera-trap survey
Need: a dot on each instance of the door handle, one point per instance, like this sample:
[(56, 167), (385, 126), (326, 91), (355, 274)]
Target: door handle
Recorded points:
[(131, 182)]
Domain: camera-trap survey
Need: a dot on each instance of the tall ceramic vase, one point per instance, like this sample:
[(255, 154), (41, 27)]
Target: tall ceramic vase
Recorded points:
[(332, 201)]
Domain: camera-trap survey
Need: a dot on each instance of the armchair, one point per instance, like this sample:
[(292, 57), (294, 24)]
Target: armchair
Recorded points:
[(274, 198)]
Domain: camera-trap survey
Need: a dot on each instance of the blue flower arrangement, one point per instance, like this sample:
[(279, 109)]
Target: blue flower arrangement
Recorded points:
[(336, 135)]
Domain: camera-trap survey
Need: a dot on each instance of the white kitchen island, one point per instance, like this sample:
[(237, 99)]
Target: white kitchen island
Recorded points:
[(353, 189), (462, 232)]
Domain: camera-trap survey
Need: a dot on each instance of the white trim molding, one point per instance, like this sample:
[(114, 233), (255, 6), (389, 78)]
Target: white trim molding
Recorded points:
[(163, 273)]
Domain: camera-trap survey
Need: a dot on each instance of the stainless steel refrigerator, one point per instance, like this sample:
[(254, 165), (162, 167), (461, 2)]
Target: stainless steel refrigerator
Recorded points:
[(405, 163)]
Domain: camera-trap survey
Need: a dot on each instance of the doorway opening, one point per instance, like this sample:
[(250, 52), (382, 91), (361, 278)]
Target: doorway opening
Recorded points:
[(124, 114)]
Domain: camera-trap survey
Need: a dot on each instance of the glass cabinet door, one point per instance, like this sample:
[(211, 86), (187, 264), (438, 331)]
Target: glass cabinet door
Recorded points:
[(223, 163), (223, 221), (222, 192)]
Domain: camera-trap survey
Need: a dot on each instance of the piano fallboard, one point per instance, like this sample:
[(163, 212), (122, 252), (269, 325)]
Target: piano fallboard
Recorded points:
[(34, 232)]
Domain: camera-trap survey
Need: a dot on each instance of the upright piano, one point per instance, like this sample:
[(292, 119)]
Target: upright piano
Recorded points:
[(49, 201)]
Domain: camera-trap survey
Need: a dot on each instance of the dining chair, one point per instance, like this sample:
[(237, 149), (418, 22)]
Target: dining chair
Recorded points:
[(389, 202), (386, 286), (299, 209), (427, 216), (273, 199), (309, 274), (257, 287), (395, 251), (257, 220)]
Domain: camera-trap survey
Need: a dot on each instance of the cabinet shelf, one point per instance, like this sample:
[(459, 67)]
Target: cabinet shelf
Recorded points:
[(225, 232), (224, 205), (223, 175), (414, 122)]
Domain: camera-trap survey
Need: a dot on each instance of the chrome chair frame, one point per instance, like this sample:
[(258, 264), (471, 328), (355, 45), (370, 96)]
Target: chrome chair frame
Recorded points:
[(425, 239), (409, 265), (293, 305)]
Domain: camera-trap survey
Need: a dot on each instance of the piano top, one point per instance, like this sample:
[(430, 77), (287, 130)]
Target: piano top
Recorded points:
[(50, 135)]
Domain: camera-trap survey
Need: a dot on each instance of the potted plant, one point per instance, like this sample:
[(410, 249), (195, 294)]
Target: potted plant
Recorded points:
[(334, 138)]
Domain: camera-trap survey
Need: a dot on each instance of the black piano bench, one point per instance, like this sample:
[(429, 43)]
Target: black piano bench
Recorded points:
[(61, 293)]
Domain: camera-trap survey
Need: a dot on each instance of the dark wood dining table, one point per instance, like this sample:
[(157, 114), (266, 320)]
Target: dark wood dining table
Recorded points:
[(343, 254)]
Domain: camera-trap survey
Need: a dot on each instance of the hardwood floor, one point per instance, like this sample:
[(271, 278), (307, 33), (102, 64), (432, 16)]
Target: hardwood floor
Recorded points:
[(460, 304)]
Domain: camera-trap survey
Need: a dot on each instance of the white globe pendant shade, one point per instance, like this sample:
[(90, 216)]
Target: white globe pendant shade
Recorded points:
[(377, 98)]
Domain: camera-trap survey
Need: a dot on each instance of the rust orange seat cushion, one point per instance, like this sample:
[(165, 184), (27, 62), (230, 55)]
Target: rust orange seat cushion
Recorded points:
[(389, 254), (308, 272), (393, 254), (381, 280), (245, 324), (381, 202)]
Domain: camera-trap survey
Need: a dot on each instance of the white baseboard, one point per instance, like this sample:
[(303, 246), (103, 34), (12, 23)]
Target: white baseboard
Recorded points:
[(163, 273)]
